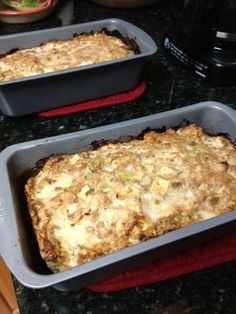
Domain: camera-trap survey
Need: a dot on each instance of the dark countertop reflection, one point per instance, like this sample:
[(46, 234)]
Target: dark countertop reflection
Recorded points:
[(170, 85)]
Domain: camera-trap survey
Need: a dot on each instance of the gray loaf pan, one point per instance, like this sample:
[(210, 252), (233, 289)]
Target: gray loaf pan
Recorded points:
[(18, 246), (56, 89)]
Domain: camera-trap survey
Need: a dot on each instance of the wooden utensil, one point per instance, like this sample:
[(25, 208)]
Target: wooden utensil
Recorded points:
[(8, 302)]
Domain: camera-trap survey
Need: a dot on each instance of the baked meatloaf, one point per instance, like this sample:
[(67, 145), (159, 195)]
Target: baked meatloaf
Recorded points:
[(58, 55), (89, 204)]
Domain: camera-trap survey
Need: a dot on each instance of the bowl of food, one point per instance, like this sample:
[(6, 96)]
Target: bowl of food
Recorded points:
[(25, 11)]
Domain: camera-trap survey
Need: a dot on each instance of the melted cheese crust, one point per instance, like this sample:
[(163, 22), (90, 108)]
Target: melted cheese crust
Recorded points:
[(92, 203), (63, 54)]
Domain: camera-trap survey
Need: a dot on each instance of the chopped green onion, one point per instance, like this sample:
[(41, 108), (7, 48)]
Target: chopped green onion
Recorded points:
[(194, 152), (105, 187), (125, 176), (89, 169)]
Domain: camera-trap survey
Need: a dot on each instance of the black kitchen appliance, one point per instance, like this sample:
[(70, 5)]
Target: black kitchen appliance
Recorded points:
[(202, 35)]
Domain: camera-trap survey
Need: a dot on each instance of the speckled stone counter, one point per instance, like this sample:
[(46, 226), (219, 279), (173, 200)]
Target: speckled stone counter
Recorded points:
[(170, 85)]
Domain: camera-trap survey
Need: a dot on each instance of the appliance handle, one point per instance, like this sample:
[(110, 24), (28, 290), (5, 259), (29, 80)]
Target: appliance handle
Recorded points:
[(193, 10), (191, 20), (196, 15)]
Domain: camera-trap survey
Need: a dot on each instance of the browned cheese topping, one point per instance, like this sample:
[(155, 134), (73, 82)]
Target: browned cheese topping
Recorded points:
[(63, 54), (92, 203)]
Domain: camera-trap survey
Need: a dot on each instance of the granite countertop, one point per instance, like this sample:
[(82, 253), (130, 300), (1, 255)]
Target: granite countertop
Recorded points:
[(170, 85)]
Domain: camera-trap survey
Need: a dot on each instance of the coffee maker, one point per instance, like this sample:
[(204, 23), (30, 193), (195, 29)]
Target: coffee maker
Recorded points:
[(202, 35)]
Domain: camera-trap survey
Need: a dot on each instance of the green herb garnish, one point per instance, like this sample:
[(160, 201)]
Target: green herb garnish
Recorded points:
[(21, 5), (125, 176)]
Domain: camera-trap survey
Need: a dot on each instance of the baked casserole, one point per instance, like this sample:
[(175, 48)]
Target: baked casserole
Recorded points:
[(57, 55), (95, 202)]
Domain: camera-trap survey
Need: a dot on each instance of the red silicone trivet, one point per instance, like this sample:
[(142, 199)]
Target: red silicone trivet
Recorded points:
[(204, 256), (97, 103)]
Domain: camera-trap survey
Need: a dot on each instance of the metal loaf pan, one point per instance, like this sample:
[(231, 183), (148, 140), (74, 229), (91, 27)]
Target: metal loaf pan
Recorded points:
[(17, 245), (46, 91)]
